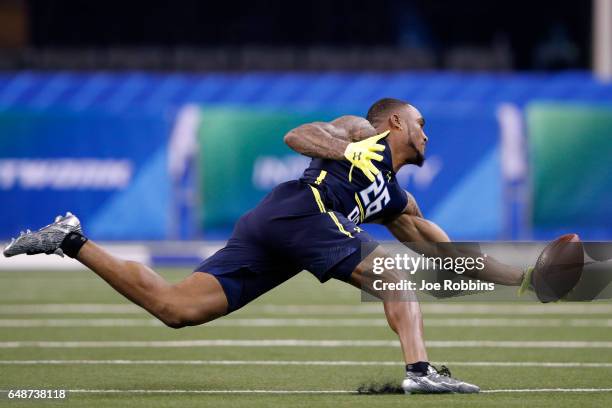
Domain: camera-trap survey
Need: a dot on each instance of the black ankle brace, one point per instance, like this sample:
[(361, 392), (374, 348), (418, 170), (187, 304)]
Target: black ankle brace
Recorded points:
[(420, 367), (72, 244)]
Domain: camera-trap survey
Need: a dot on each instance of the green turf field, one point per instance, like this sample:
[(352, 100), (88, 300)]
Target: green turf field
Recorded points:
[(303, 344)]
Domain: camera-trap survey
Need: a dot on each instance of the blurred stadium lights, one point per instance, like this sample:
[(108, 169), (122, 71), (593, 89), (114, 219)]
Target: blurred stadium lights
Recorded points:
[(320, 35), (243, 58)]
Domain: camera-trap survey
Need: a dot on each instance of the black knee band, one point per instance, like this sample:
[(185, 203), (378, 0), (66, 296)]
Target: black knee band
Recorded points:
[(72, 244)]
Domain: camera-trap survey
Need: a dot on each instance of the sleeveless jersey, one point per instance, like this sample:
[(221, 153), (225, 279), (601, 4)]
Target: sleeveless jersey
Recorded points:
[(359, 200)]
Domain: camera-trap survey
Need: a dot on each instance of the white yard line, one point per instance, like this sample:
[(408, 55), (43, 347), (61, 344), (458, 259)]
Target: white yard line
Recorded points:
[(356, 309), (303, 343), (17, 323), (175, 391), (68, 308), (447, 308), (548, 390), (541, 364), (300, 322)]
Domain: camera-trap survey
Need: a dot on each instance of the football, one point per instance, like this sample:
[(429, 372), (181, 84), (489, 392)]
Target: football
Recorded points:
[(558, 268)]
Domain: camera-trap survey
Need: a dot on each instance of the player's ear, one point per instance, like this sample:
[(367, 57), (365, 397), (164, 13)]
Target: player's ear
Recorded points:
[(395, 121)]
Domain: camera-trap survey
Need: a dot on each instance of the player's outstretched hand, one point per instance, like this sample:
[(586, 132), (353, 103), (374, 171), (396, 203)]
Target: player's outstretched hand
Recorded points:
[(361, 154)]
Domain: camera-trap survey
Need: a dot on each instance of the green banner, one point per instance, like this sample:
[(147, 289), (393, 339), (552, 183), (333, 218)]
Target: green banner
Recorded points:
[(242, 157), (571, 155)]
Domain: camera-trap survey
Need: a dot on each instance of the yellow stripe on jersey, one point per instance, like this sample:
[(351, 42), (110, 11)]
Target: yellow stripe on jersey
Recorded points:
[(361, 213), (321, 206), (317, 197), (319, 179), (340, 226)]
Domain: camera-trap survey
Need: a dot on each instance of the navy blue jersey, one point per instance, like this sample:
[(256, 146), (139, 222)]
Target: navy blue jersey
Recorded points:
[(310, 224), (359, 200)]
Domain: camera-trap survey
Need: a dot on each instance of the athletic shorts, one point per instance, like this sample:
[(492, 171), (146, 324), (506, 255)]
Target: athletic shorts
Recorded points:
[(289, 231)]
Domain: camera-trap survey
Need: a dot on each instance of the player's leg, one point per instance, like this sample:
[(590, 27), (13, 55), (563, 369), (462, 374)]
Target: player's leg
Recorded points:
[(402, 310), (197, 299), (223, 283), (404, 317)]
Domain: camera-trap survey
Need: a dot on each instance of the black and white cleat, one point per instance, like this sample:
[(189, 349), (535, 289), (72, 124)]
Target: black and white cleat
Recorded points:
[(436, 382), (46, 240)]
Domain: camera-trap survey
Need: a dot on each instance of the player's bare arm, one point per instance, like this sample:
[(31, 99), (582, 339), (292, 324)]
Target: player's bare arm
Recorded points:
[(348, 137), (421, 235), (329, 140)]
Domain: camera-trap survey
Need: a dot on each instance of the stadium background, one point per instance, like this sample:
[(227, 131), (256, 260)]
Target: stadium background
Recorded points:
[(159, 123), (121, 128)]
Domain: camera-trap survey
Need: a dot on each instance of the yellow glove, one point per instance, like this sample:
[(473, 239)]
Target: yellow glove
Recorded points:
[(361, 154)]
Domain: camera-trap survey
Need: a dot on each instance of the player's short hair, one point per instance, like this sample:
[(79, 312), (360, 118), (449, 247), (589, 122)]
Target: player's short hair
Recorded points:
[(382, 107)]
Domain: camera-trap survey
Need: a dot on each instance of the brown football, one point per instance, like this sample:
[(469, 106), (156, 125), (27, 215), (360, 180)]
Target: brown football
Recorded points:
[(558, 268)]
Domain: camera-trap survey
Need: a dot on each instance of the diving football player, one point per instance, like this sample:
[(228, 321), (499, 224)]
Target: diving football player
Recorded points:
[(308, 224)]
